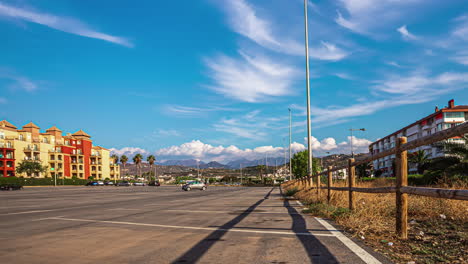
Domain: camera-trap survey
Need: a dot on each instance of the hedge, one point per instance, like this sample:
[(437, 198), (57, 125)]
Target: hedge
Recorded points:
[(40, 181)]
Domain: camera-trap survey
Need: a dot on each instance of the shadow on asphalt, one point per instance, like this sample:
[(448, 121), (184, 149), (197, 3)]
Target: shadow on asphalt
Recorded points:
[(197, 251), (316, 251)]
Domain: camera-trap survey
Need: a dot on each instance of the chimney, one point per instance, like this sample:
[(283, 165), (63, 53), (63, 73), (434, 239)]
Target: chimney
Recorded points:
[(436, 109), (451, 104)]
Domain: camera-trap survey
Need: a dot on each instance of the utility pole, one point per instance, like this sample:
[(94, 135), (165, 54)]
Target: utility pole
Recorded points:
[(290, 139), (241, 172), (309, 127)]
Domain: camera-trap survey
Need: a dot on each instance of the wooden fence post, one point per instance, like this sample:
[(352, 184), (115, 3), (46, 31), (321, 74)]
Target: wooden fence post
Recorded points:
[(401, 162), (329, 183), (318, 187), (351, 181)]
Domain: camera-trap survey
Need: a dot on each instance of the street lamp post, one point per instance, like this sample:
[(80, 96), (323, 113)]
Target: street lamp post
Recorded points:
[(290, 139), (351, 129), (309, 128)]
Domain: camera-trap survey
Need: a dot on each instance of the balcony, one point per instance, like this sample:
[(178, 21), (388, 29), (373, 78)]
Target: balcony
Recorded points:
[(6, 145), (55, 151), (32, 158), (32, 149)]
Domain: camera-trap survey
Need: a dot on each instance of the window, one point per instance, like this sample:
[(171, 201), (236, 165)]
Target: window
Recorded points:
[(454, 115), (81, 167), (67, 142), (21, 137), (52, 157), (79, 142), (59, 157), (2, 135)]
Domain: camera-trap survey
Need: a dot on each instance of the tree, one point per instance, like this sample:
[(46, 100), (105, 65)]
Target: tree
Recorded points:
[(151, 159), (30, 168), (459, 153), (419, 158), (362, 169), (115, 158), (137, 160), (260, 169), (124, 160), (300, 162)]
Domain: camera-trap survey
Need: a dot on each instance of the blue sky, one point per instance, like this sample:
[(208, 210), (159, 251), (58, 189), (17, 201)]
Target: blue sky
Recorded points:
[(213, 79)]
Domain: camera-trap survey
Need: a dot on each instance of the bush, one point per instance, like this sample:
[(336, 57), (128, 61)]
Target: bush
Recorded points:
[(291, 192)]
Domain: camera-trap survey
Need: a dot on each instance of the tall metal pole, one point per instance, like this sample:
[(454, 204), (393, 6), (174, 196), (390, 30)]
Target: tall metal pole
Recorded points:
[(290, 139), (241, 172), (309, 128), (352, 152)]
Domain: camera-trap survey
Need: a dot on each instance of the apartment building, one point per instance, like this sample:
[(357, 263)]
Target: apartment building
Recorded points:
[(70, 155), (441, 119)]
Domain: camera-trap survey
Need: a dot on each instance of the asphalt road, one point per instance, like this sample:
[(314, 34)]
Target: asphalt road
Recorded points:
[(166, 225)]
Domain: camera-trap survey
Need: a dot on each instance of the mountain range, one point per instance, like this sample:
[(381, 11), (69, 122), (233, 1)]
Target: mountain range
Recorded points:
[(236, 164)]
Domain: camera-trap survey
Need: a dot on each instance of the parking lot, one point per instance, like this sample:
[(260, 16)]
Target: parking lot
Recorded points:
[(146, 224)]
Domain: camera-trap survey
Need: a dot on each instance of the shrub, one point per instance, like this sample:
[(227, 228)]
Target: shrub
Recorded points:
[(291, 192)]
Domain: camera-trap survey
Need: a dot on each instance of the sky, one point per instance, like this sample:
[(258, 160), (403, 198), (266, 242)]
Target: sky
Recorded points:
[(213, 79)]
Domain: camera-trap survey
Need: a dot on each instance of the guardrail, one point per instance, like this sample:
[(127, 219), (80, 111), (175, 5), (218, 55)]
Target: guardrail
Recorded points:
[(401, 189)]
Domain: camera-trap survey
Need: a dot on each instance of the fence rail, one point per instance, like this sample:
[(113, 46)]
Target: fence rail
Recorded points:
[(401, 189)]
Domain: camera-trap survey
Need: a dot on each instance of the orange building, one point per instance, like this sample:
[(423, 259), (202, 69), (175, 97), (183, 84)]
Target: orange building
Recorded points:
[(69, 156)]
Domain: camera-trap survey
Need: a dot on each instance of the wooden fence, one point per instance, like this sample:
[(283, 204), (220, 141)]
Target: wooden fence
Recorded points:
[(401, 189)]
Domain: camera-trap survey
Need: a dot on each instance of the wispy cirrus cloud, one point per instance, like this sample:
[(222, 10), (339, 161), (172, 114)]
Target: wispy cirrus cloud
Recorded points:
[(405, 33), (190, 111), (250, 79), (65, 24), (18, 81), (367, 17), (244, 20)]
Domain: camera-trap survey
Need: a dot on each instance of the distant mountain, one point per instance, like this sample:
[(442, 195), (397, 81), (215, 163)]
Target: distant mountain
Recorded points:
[(236, 164), (214, 164), (186, 163)]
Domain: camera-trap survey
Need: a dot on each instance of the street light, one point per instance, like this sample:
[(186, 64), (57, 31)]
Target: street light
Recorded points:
[(351, 129), (309, 128), (290, 151)]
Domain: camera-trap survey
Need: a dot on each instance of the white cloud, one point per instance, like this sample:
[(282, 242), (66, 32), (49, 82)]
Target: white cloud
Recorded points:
[(405, 33), (20, 82), (3, 100), (129, 151), (250, 79), (188, 111), (244, 20), (394, 63), (368, 17), (64, 24), (461, 58)]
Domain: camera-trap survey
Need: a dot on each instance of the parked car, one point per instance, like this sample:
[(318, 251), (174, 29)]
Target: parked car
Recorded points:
[(139, 184), (91, 183), (100, 183), (123, 183), (154, 183), (108, 183), (194, 185), (10, 187)]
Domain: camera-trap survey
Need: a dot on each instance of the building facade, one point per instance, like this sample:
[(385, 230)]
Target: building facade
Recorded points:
[(69, 156), (441, 119)]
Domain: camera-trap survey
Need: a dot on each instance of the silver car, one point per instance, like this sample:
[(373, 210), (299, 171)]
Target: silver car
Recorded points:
[(194, 185)]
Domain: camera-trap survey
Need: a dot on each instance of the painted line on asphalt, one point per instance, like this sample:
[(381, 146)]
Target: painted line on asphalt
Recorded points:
[(30, 212), (248, 212), (360, 252), (124, 209), (187, 227)]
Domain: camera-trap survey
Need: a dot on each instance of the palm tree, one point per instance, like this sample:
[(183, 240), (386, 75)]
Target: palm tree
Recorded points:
[(419, 158), (151, 159), (124, 160), (458, 151), (115, 158), (137, 160)]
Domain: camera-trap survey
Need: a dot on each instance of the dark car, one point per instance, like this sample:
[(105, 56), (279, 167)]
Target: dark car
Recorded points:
[(108, 183), (10, 187), (123, 183), (154, 183), (92, 183)]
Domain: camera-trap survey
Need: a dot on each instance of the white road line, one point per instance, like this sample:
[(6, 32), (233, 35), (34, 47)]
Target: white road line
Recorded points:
[(249, 212), (125, 209), (364, 255), (299, 203), (30, 212), (187, 227)]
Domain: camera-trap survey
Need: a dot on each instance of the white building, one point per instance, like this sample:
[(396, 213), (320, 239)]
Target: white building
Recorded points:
[(441, 119)]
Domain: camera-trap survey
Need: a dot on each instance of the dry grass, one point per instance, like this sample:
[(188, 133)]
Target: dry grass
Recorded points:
[(374, 221)]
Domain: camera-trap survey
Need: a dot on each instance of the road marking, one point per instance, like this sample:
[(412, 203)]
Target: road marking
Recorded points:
[(299, 203), (234, 212), (364, 255), (126, 209), (30, 212), (187, 227)]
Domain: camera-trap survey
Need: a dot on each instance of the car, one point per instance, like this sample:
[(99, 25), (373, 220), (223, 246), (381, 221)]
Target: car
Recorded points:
[(100, 183), (139, 184), (10, 187), (194, 185), (123, 183), (154, 183), (108, 183), (91, 183)]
